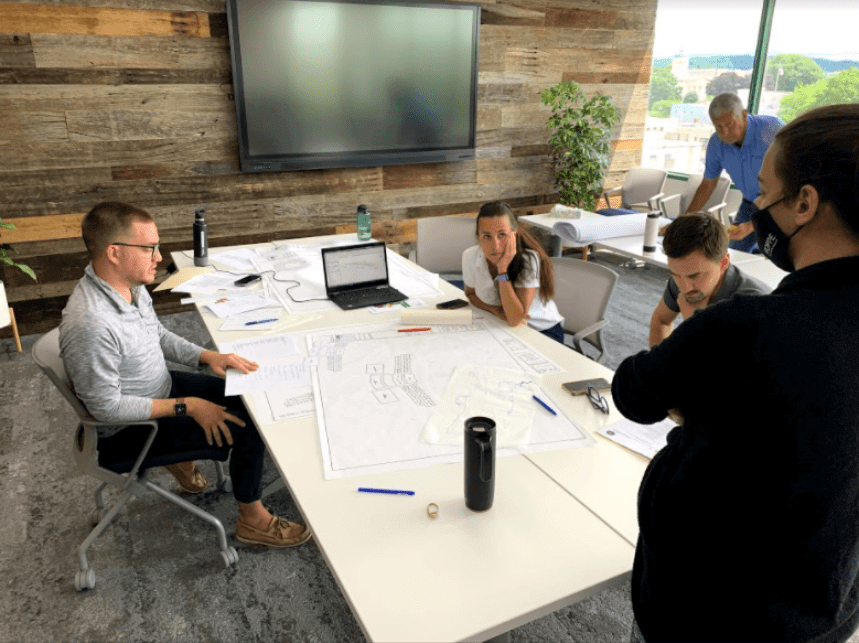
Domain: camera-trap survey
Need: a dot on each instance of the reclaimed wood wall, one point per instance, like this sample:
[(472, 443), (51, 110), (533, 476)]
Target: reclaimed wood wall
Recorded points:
[(134, 102)]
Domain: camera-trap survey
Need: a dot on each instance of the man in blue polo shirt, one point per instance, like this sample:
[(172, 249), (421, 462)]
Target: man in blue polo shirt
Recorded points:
[(738, 147)]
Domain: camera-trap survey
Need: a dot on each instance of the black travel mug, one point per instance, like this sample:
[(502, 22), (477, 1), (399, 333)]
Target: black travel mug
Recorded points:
[(479, 463)]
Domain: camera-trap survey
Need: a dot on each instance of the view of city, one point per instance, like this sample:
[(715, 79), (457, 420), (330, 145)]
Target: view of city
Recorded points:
[(812, 60)]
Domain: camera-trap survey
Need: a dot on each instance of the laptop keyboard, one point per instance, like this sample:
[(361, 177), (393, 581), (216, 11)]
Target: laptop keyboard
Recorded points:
[(355, 295)]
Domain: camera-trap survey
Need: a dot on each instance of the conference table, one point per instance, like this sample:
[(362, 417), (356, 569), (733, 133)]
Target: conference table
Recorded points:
[(562, 526)]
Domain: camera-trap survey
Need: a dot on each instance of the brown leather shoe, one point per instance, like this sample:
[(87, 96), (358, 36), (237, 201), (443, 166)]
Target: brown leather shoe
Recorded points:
[(279, 533), (192, 481)]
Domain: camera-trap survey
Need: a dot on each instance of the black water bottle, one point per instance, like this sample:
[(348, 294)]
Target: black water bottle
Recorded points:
[(201, 239)]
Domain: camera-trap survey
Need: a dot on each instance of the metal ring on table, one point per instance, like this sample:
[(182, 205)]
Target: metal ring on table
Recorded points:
[(432, 510)]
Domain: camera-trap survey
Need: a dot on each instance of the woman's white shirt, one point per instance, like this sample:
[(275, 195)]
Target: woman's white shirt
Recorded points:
[(475, 274)]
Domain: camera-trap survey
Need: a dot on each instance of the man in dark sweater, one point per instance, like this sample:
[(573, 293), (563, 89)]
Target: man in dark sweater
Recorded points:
[(749, 517)]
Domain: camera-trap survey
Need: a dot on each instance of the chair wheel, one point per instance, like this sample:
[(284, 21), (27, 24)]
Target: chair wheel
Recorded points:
[(229, 556), (85, 580)]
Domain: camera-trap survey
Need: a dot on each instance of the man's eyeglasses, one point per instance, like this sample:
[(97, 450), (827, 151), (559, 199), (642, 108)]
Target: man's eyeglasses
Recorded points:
[(597, 401), (154, 248)]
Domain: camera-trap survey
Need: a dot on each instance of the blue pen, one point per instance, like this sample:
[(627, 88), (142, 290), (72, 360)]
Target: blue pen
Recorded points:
[(544, 405), (260, 321), (395, 492)]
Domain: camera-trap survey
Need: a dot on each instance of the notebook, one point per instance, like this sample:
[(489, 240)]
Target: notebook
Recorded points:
[(357, 276)]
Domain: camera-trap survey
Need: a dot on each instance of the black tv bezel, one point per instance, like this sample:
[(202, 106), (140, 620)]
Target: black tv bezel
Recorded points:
[(357, 158)]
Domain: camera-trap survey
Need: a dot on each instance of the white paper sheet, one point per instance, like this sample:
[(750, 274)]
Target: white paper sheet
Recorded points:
[(237, 305), (263, 349), (268, 377), (644, 439)]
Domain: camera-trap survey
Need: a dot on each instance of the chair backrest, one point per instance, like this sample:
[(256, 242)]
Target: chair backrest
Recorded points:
[(46, 354), (582, 292), (642, 183), (441, 242)]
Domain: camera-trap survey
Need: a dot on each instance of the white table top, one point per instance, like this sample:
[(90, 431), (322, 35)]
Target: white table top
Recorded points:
[(763, 269), (551, 538), (633, 247), (546, 222)]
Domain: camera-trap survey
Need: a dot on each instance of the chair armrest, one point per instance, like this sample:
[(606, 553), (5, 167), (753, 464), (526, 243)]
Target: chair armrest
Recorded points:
[(675, 207), (610, 191), (153, 424), (584, 332)]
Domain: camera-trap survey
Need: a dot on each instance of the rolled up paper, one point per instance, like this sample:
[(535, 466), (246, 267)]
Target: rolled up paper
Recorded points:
[(585, 231), (432, 317)]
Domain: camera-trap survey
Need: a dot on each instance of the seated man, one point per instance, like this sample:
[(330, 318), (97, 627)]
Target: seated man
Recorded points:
[(701, 273), (114, 349)]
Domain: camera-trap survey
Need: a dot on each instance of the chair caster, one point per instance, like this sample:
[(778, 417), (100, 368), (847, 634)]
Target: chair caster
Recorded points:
[(85, 579), (230, 556)]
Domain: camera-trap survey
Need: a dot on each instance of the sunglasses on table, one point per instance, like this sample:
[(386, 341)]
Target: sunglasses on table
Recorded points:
[(597, 401)]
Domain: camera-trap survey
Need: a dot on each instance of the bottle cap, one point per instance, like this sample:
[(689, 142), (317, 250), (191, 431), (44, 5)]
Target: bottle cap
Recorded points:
[(362, 208)]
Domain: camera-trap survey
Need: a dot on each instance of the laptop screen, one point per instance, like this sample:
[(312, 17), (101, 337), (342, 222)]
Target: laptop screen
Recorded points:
[(355, 266)]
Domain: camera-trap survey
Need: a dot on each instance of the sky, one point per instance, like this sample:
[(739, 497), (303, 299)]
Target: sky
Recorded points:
[(822, 28)]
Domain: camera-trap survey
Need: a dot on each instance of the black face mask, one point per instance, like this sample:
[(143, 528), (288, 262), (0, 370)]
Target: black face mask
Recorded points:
[(771, 240)]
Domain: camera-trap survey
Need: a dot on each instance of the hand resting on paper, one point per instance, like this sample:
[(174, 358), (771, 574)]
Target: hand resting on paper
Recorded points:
[(220, 362)]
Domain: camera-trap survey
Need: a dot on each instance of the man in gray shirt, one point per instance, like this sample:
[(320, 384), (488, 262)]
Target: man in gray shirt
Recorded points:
[(114, 349), (701, 272)]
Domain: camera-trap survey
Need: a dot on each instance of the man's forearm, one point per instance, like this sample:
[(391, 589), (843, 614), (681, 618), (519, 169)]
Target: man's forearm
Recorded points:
[(658, 332)]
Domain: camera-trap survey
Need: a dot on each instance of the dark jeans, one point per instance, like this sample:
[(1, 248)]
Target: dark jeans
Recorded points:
[(635, 635), (555, 332), (183, 434)]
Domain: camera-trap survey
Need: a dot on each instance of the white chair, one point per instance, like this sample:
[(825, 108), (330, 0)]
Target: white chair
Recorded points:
[(129, 476), (441, 242), (716, 205), (641, 190), (582, 293), (7, 317)]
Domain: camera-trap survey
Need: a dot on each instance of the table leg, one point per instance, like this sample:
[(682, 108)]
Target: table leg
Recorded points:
[(556, 248)]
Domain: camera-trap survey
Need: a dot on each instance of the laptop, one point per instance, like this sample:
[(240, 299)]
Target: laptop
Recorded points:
[(357, 276)]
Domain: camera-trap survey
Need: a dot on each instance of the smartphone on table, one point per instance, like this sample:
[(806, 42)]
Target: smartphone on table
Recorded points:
[(452, 304), (580, 387)]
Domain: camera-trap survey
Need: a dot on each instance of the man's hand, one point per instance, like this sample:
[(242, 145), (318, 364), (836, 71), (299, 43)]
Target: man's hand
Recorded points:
[(213, 419), (220, 362), (740, 231)]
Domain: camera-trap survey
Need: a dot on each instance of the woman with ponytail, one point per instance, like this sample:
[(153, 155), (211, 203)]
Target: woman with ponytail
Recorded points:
[(509, 274)]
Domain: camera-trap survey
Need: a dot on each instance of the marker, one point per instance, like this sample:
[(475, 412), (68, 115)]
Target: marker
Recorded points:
[(260, 321), (393, 492), (544, 405), (414, 330)]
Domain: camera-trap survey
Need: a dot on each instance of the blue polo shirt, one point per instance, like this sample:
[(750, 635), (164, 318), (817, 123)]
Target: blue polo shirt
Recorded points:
[(743, 163)]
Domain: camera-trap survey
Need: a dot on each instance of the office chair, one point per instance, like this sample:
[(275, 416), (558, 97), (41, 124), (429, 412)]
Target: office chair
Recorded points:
[(641, 191), (440, 244), (7, 317), (716, 205), (582, 293), (127, 473)]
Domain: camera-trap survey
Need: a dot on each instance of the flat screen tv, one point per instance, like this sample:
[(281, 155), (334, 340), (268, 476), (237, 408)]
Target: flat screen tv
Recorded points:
[(351, 83)]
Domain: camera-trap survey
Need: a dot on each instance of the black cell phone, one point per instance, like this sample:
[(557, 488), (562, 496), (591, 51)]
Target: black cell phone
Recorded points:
[(244, 281), (450, 305), (581, 387)]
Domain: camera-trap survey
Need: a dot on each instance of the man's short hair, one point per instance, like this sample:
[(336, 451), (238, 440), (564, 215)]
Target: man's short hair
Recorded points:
[(109, 222), (695, 231), (726, 102)]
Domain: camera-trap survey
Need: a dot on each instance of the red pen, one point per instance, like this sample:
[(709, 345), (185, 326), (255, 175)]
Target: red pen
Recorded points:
[(413, 330)]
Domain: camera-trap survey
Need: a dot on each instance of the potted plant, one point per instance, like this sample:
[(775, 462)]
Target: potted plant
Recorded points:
[(580, 133), (5, 249)]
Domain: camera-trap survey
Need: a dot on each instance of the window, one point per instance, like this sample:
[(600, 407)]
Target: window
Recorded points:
[(702, 50)]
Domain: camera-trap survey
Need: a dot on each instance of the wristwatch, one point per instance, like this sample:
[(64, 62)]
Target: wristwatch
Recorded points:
[(181, 409), (502, 277)]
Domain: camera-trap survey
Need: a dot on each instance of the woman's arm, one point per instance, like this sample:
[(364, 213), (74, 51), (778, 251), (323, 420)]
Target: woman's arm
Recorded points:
[(515, 301), (477, 302)]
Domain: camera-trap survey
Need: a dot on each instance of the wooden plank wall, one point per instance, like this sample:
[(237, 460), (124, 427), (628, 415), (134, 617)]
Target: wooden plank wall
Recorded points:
[(132, 100)]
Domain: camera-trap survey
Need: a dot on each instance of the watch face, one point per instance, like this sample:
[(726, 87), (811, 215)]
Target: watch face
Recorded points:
[(180, 409)]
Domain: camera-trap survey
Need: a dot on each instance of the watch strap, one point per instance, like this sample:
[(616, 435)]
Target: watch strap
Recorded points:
[(502, 277)]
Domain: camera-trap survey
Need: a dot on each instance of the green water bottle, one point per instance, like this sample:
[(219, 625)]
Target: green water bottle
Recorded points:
[(362, 220)]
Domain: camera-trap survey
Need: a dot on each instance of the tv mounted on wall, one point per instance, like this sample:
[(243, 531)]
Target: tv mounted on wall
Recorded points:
[(351, 83)]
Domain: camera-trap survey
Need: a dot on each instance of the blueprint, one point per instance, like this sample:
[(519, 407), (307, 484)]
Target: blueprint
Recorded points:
[(376, 390)]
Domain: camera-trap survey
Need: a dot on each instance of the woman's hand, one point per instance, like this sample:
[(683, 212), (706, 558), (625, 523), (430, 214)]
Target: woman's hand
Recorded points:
[(509, 252)]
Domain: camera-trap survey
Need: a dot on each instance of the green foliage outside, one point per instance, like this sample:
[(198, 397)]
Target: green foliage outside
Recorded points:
[(663, 86), (729, 82), (690, 98), (5, 249), (840, 88), (662, 109), (580, 132), (798, 70)]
